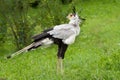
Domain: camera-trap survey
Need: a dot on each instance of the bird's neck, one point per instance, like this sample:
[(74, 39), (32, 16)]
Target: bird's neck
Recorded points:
[(74, 22)]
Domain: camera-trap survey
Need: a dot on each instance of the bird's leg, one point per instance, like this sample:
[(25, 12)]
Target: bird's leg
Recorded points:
[(60, 65), (61, 51)]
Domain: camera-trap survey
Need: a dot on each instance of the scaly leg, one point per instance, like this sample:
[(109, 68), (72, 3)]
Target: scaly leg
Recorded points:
[(60, 65)]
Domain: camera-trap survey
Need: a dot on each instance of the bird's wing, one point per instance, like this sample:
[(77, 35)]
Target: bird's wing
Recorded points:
[(41, 35), (62, 31)]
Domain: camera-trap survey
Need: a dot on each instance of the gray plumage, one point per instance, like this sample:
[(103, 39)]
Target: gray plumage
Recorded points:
[(67, 32), (64, 32)]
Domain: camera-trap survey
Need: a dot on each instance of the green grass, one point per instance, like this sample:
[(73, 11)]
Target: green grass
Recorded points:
[(94, 56)]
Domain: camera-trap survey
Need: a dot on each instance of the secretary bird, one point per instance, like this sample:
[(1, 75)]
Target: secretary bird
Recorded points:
[(62, 35)]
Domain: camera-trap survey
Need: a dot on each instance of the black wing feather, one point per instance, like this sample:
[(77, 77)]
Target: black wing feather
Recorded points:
[(42, 35)]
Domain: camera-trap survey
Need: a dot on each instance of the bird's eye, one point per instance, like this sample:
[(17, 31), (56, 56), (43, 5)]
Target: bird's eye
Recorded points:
[(71, 15)]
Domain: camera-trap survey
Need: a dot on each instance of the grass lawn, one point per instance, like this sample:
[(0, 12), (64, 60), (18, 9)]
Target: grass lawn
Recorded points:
[(94, 56)]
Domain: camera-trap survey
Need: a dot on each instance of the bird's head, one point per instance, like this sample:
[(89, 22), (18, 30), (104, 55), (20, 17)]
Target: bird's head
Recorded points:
[(74, 16), (71, 16)]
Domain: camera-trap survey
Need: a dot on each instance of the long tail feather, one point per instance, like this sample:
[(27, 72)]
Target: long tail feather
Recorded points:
[(34, 45), (20, 51)]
